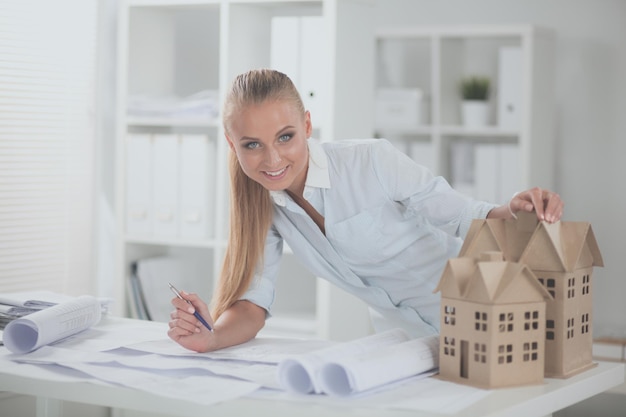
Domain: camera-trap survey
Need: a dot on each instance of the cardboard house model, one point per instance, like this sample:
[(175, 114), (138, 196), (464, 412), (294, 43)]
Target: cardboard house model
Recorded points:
[(562, 256), (492, 322)]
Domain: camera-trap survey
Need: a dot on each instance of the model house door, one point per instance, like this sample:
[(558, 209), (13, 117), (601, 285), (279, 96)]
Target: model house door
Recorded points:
[(464, 359)]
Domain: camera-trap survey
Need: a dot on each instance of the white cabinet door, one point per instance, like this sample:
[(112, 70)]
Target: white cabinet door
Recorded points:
[(313, 77), (298, 49), (285, 46), (510, 82)]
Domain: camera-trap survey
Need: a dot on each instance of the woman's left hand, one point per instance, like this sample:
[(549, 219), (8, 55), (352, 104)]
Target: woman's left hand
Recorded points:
[(547, 204)]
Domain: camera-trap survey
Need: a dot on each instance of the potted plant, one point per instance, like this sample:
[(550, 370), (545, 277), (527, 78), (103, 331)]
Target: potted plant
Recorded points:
[(474, 91)]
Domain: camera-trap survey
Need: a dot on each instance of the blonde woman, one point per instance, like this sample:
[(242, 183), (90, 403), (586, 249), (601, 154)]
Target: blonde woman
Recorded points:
[(357, 213)]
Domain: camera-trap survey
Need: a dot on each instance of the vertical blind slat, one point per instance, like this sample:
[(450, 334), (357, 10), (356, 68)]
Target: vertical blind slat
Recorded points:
[(47, 95)]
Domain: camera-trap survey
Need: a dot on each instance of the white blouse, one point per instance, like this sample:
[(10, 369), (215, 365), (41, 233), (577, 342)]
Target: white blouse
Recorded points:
[(390, 225)]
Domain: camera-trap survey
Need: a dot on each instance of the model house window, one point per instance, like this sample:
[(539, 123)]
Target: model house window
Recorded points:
[(531, 320), (506, 322), (586, 284), (550, 329), (530, 351), (480, 352), (550, 284), (448, 346), (505, 354), (450, 313), (570, 328), (570, 287), (481, 321), (585, 323)]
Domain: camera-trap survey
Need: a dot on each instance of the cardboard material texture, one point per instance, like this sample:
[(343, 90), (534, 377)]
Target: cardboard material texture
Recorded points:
[(493, 322), (561, 257)]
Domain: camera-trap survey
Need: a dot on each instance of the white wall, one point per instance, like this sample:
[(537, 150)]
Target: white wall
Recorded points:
[(591, 110)]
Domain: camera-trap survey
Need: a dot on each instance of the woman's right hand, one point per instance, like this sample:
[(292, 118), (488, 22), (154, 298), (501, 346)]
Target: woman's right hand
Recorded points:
[(186, 329)]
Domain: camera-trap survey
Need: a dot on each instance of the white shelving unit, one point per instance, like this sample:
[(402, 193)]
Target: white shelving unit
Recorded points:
[(180, 47), (433, 60)]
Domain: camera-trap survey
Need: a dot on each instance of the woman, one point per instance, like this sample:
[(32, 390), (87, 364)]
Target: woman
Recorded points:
[(358, 213)]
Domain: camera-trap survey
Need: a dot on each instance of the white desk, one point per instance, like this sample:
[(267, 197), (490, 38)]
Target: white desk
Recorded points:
[(538, 400)]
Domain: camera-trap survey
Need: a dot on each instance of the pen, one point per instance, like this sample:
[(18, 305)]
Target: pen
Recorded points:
[(195, 313)]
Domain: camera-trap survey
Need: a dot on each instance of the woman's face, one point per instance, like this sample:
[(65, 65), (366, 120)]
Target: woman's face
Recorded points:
[(270, 140)]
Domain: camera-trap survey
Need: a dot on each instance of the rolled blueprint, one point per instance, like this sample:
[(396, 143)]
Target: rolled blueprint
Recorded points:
[(30, 332), (350, 374), (300, 373)]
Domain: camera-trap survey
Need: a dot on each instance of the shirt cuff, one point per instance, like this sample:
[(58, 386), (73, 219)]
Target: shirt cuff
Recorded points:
[(478, 210)]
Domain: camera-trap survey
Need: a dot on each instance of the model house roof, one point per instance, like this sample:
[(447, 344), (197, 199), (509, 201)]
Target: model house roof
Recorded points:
[(490, 280), (560, 246)]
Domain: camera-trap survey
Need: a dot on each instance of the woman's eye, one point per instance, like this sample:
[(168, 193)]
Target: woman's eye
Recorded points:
[(251, 145), (285, 137)]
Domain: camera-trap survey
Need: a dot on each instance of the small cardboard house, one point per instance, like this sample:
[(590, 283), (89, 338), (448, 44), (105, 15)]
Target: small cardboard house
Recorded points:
[(492, 322), (562, 256)]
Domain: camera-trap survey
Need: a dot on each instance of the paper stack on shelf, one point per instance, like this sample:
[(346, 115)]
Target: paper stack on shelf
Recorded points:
[(202, 105)]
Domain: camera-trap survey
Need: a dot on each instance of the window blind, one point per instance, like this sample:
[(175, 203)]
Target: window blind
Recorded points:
[(47, 137)]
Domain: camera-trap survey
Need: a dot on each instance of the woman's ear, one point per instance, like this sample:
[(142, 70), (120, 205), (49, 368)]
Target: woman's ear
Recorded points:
[(308, 126), (230, 142)]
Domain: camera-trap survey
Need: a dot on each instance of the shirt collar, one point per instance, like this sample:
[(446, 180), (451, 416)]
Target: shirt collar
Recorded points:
[(317, 174)]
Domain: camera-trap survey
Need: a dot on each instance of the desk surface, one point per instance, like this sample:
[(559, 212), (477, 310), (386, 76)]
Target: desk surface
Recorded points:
[(523, 402), (537, 400)]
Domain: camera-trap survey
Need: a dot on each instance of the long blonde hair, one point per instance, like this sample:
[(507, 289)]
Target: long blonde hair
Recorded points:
[(251, 209)]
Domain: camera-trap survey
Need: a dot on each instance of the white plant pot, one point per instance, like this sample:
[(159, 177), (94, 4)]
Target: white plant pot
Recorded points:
[(475, 113)]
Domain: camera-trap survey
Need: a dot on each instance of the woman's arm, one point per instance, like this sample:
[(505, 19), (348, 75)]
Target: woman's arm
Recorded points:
[(547, 204), (239, 323)]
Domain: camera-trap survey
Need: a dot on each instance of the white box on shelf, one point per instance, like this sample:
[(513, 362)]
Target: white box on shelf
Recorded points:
[(399, 108), (165, 190), (197, 191), (509, 87), (139, 213)]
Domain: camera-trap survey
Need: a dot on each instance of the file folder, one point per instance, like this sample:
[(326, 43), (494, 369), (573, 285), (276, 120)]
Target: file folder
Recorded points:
[(165, 190), (139, 184), (197, 191)]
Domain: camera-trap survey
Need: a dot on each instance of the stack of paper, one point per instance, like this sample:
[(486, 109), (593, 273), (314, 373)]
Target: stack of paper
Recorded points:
[(201, 105), (19, 304)]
